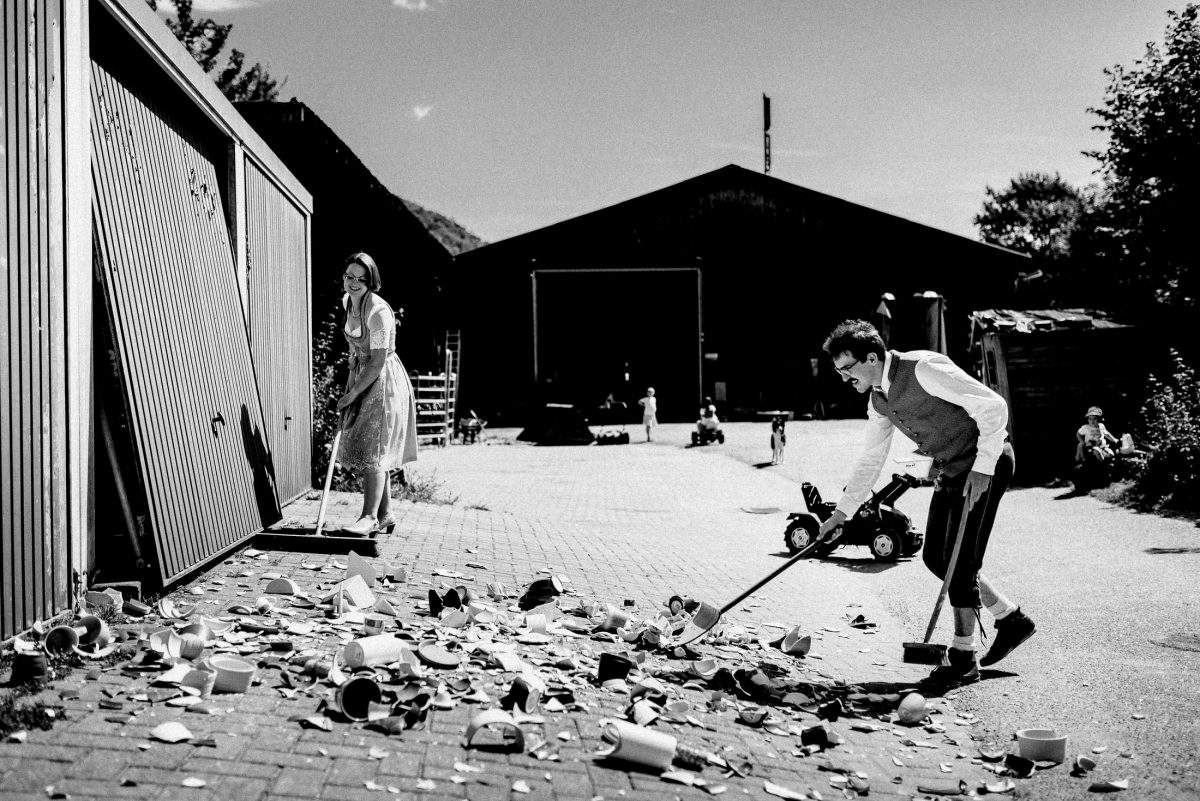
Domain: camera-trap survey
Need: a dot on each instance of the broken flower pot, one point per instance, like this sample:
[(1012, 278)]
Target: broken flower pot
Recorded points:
[(1042, 745)]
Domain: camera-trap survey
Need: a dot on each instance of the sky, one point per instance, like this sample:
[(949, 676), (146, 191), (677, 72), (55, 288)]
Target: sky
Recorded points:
[(510, 115)]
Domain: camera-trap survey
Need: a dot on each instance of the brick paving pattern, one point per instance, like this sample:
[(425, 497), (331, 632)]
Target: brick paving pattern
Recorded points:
[(621, 524)]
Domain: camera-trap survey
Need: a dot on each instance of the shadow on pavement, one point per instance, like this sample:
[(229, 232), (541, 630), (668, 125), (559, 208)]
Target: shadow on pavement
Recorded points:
[(761, 465), (857, 565)]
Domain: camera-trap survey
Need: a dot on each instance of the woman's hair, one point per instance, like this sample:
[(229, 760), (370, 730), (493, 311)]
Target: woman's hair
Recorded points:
[(858, 337)]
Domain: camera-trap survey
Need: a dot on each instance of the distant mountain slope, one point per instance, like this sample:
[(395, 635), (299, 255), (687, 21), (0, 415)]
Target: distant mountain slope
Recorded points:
[(453, 236)]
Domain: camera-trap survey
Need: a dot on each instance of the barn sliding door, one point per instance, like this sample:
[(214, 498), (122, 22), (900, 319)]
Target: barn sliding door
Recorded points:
[(164, 257)]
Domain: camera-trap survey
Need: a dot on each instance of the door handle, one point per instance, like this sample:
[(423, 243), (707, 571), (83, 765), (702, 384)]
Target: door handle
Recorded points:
[(286, 417), (215, 420)]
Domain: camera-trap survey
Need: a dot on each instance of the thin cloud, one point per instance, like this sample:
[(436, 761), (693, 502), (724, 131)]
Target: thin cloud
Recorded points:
[(412, 5), (421, 112)]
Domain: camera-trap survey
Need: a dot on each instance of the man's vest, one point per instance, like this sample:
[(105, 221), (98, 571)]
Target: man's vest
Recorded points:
[(941, 430)]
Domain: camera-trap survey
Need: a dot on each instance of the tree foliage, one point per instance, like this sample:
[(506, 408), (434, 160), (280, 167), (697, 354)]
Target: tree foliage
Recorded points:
[(205, 39), (1151, 166), (1035, 214)]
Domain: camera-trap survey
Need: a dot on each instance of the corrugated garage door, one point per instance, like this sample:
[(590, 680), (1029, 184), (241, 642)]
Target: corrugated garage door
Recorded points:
[(279, 338), (34, 486), (164, 255)]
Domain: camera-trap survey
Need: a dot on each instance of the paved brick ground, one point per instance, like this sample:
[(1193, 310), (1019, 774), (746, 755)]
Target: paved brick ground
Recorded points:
[(635, 523)]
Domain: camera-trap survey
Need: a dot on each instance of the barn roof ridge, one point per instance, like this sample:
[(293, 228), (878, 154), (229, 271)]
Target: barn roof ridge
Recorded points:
[(745, 175)]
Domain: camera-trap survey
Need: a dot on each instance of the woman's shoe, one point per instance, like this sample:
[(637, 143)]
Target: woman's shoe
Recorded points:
[(362, 527), (386, 523)]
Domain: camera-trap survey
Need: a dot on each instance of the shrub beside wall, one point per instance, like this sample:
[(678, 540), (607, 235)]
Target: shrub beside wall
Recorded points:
[(1169, 430)]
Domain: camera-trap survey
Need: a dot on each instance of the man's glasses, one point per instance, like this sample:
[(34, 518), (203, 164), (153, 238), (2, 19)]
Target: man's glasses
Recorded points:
[(845, 368)]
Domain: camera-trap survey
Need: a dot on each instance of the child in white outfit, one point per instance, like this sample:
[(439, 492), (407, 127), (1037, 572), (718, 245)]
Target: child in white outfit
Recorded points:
[(649, 406)]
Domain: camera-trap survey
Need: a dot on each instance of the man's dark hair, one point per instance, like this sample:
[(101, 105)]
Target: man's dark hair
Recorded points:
[(856, 336)]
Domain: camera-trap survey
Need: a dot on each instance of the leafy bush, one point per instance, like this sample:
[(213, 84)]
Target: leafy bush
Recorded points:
[(1169, 427)]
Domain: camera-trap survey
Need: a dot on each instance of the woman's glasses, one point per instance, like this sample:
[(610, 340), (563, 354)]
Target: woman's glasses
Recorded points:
[(358, 280)]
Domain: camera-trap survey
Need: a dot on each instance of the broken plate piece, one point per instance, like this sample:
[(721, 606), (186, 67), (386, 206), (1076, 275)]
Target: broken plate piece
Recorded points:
[(1109, 787), (781, 791), (501, 721), (282, 586), (1083, 764), (437, 656), (171, 732)]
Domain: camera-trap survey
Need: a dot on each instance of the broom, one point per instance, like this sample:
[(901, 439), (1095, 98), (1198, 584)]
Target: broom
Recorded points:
[(926, 653)]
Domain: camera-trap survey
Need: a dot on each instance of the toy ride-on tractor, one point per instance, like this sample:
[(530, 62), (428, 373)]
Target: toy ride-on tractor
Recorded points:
[(877, 524), (703, 435)]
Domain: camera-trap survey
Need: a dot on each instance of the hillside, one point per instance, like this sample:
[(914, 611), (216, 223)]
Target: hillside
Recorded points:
[(453, 236)]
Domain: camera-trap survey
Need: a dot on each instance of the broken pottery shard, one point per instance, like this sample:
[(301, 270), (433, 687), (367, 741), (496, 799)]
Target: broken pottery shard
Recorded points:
[(355, 591), (357, 566), (282, 586), (501, 721), (782, 792), (1109, 787), (639, 745), (943, 788), (171, 732)]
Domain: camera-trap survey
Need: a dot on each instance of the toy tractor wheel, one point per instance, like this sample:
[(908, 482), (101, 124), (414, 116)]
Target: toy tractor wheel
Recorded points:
[(721, 437), (885, 545), (801, 533), (695, 438)]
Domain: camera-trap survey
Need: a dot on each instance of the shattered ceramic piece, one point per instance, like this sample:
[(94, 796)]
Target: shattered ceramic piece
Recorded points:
[(500, 720), (357, 566), (795, 644), (1109, 786), (638, 744), (436, 656), (1042, 745), (234, 675), (782, 792), (282, 586), (355, 591), (171, 732)]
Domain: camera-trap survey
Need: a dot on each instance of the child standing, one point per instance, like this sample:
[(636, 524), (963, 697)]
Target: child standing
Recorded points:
[(778, 439), (649, 406)]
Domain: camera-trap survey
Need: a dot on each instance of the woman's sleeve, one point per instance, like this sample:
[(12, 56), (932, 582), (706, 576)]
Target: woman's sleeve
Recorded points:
[(379, 323)]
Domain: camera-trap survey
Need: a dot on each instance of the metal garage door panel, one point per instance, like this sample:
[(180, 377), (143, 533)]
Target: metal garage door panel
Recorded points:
[(164, 254), (279, 334)]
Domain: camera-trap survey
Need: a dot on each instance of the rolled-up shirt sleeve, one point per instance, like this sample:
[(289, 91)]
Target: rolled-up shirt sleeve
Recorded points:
[(944, 379), (877, 442)]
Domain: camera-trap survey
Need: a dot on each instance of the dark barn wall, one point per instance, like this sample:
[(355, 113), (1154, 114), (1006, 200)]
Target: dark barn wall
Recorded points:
[(781, 265), (1105, 367), (353, 211)]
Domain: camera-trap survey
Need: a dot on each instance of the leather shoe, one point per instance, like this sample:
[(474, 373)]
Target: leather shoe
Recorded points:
[(1011, 630), (962, 669)]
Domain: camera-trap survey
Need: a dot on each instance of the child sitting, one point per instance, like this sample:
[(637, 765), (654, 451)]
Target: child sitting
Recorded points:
[(1094, 440)]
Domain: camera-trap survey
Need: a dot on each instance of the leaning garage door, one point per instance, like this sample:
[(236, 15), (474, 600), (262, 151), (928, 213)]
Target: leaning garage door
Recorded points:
[(162, 249), (277, 255)]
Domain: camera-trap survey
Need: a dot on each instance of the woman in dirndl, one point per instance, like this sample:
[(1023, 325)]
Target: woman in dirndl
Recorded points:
[(378, 415)]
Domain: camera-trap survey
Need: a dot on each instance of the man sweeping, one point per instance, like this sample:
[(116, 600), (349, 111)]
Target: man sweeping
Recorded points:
[(962, 425)]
